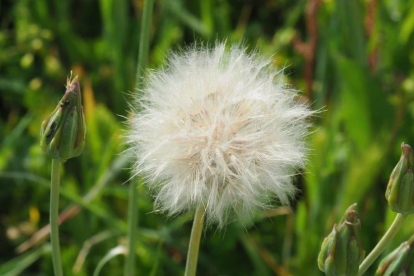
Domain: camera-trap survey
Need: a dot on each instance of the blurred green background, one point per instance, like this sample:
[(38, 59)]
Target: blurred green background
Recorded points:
[(351, 58)]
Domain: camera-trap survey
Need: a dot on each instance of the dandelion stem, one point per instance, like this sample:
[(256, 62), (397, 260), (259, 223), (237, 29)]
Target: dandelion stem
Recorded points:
[(54, 213), (382, 244), (192, 256), (129, 269)]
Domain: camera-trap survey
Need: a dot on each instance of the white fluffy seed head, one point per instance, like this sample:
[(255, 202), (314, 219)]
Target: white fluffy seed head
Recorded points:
[(220, 128)]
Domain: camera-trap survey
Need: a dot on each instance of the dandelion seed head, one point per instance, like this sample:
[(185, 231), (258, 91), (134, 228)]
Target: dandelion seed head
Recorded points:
[(221, 128)]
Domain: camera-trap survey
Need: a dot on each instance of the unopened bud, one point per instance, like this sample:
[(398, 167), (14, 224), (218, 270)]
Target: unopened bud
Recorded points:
[(399, 262), (342, 251), (63, 132), (400, 189)]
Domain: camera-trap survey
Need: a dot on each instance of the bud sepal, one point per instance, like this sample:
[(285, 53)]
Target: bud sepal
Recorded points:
[(399, 262), (63, 132), (342, 251), (400, 189)]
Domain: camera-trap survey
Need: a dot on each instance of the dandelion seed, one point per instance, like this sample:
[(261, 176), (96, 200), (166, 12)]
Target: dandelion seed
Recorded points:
[(220, 128)]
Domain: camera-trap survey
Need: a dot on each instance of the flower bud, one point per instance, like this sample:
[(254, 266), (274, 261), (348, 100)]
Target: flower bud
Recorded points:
[(399, 262), (63, 132), (400, 189), (341, 251)]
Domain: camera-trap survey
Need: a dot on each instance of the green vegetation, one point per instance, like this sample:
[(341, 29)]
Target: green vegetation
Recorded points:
[(352, 59)]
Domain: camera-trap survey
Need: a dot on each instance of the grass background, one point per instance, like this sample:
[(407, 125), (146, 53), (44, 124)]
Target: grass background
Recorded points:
[(352, 58)]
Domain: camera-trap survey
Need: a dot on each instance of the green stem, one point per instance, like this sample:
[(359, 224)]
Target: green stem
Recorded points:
[(54, 214), (380, 247), (192, 256), (144, 38), (129, 269), (132, 230)]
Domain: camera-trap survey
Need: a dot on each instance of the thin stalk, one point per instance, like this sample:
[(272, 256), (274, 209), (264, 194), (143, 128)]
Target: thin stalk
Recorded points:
[(54, 213), (132, 230), (129, 269), (380, 247), (144, 39), (193, 248)]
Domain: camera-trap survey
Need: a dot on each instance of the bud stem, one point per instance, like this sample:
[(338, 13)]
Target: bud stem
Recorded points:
[(54, 213), (380, 247), (193, 248)]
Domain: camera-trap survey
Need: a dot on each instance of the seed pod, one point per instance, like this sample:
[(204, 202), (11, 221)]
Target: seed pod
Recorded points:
[(400, 189), (63, 132), (400, 262), (342, 251)]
